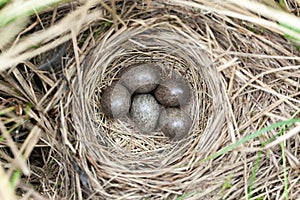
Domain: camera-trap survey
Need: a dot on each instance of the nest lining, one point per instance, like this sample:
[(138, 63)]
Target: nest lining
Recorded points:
[(116, 144)]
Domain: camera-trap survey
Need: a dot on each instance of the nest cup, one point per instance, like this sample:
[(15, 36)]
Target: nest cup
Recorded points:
[(123, 160)]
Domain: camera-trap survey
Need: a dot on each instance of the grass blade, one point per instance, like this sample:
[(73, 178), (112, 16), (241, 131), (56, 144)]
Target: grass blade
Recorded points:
[(15, 11), (284, 169), (253, 175), (250, 137), (15, 178)]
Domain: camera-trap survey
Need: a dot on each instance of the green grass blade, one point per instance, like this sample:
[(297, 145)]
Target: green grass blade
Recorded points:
[(182, 197), (250, 137), (15, 11), (255, 168), (187, 194), (283, 4), (296, 113), (3, 2), (7, 110), (294, 40), (28, 108), (227, 184), (253, 175), (15, 178), (284, 169)]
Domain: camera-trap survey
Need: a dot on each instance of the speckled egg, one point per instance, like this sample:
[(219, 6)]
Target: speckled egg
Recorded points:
[(145, 112), (116, 101), (173, 92), (174, 123), (141, 78)]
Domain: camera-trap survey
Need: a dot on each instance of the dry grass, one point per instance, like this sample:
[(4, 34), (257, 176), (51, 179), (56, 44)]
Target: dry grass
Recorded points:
[(237, 58)]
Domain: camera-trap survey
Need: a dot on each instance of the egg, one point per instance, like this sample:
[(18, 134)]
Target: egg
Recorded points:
[(116, 101), (141, 78), (174, 123), (145, 112), (173, 92)]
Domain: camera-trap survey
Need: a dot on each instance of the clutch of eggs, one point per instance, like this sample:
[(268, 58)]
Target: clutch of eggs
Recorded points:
[(151, 103)]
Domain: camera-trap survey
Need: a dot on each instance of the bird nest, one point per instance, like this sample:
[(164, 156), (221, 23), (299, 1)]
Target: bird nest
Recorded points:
[(124, 161), (240, 63)]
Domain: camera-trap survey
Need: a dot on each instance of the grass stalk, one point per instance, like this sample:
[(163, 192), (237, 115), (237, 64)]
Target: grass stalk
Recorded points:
[(284, 168), (250, 137)]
